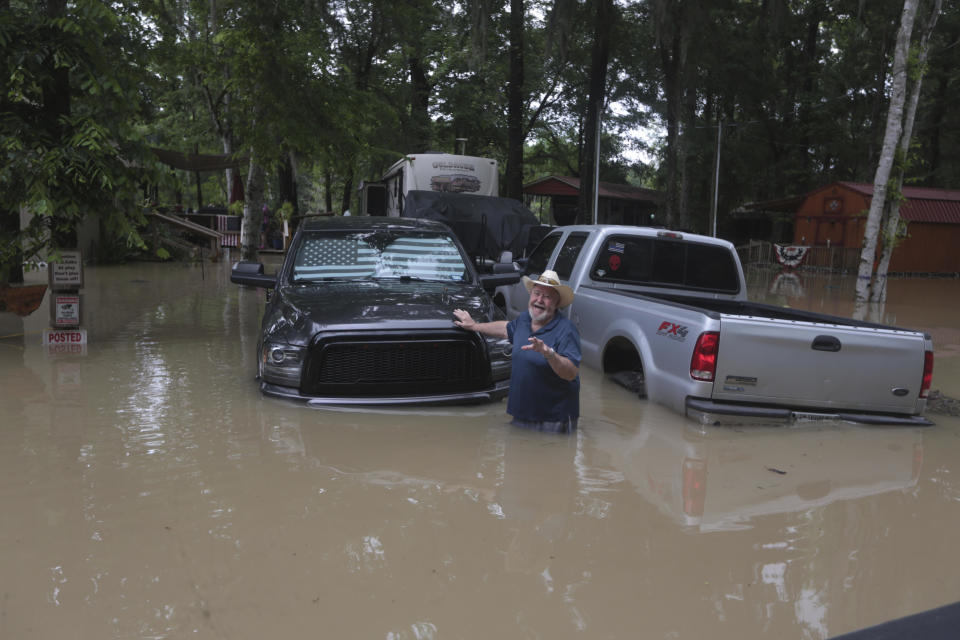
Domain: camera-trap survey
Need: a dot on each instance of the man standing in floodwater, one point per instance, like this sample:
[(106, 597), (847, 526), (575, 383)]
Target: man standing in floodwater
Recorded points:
[(545, 375)]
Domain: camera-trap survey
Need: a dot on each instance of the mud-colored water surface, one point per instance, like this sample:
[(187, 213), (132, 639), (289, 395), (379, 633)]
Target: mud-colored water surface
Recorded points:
[(147, 490)]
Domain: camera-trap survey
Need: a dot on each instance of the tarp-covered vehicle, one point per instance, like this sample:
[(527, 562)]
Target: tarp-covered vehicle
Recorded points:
[(487, 226), (362, 313)]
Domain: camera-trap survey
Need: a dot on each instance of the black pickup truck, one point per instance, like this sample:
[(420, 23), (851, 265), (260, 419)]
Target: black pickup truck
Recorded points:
[(361, 313)]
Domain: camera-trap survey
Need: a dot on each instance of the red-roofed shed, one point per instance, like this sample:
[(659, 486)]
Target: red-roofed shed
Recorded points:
[(835, 215), (617, 203)]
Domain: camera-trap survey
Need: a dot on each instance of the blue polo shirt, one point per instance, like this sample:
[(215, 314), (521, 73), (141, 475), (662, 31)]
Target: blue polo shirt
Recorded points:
[(537, 393)]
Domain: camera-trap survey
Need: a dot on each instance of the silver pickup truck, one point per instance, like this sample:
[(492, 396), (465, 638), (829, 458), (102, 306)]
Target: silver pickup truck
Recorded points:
[(671, 309)]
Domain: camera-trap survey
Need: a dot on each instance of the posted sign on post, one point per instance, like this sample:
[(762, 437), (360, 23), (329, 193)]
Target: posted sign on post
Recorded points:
[(66, 279)]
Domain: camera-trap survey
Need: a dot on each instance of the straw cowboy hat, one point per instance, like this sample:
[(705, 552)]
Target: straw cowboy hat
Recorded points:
[(551, 279)]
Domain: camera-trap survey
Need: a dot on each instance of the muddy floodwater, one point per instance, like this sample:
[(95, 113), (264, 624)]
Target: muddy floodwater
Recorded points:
[(147, 490)]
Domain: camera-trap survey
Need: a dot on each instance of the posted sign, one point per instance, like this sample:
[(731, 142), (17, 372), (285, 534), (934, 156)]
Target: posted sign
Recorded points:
[(61, 341), (67, 272), (65, 337)]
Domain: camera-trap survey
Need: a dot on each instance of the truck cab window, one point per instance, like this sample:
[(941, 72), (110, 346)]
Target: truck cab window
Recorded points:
[(568, 254), (537, 261)]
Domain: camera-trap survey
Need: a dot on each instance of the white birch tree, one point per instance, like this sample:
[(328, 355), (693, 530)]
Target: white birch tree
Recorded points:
[(883, 217), (891, 218), (252, 209), (891, 140)]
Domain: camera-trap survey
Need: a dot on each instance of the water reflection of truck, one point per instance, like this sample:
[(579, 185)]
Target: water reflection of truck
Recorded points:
[(722, 480)]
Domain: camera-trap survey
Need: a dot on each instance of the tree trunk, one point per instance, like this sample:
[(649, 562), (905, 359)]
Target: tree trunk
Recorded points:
[(419, 108), (252, 210), (684, 156), (878, 292), (287, 178), (232, 174), (515, 133), (598, 83), (671, 24), (11, 265), (327, 190), (56, 104), (891, 141), (222, 125), (347, 189), (935, 134)]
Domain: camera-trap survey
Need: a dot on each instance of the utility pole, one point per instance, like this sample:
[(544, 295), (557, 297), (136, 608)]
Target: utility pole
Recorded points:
[(596, 166), (716, 181)]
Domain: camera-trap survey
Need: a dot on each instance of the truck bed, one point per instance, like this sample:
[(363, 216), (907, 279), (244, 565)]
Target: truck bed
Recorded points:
[(760, 310)]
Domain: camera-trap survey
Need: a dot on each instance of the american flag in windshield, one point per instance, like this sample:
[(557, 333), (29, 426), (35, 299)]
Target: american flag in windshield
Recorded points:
[(379, 254)]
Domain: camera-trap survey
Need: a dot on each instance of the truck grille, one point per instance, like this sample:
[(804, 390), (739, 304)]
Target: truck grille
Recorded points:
[(395, 365)]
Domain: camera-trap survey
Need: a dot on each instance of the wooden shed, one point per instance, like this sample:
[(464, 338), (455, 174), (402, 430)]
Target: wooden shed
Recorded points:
[(617, 203), (836, 215)]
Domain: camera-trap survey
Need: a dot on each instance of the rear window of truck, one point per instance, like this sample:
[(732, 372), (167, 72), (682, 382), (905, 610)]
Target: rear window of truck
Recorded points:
[(666, 263)]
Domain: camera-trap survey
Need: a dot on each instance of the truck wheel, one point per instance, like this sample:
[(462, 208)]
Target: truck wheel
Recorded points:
[(631, 381), (622, 364)]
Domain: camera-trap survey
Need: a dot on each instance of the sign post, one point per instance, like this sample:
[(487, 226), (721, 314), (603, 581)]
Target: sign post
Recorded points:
[(66, 305)]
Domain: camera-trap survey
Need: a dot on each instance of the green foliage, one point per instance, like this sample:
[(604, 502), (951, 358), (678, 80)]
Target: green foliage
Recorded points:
[(68, 121), (346, 86), (285, 212)]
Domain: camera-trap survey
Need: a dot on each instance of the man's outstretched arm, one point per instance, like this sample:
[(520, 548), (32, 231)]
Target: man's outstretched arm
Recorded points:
[(496, 329)]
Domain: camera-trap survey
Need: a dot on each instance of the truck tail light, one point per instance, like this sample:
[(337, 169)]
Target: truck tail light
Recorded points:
[(703, 364), (927, 373)]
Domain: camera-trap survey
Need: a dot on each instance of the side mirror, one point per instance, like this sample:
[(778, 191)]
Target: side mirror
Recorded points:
[(490, 281), (252, 275)]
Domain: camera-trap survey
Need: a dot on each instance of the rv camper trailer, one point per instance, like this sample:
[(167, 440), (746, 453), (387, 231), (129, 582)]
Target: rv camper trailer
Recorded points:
[(440, 172)]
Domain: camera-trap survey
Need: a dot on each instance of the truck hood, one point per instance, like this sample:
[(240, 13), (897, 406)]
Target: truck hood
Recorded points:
[(302, 311)]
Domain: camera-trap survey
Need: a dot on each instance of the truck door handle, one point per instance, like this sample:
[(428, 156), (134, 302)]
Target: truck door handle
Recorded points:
[(825, 343)]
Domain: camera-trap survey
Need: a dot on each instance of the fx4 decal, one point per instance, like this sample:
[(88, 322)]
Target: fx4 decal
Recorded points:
[(672, 331)]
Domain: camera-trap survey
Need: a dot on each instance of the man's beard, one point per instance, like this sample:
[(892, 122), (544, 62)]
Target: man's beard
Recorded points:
[(539, 316)]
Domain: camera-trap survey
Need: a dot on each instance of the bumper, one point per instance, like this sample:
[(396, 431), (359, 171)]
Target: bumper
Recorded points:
[(497, 392), (710, 412)]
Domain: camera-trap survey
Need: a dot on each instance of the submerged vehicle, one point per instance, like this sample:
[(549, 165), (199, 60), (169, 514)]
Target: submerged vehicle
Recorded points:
[(671, 309), (361, 312)]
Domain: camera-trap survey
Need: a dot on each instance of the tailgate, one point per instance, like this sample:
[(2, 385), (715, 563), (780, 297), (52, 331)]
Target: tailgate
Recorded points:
[(807, 364)]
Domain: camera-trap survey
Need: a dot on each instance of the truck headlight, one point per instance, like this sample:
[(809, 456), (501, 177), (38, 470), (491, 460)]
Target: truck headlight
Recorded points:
[(501, 357), (282, 364)]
